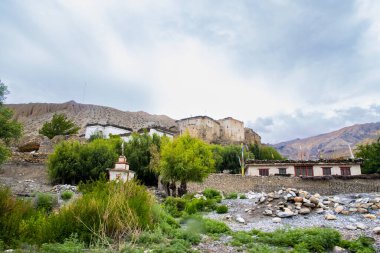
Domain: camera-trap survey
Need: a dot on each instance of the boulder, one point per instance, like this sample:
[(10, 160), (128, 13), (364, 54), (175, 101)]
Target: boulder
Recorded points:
[(312, 205), (339, 209), (268, 212), (298, 199), (330, 217), (361, 226), (285, 214), (304, 210), (369, 216), (314, 200), (376, 230), (277, 220), (351, 227), (240, 219)]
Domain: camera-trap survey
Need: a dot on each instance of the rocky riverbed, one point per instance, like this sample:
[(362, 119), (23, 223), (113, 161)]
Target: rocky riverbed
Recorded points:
[(353, 215)]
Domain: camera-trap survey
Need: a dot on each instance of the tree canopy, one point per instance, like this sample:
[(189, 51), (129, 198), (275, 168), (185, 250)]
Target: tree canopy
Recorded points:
[(264, 152), (9, 129), (371, 157), (59, 125), (186, 159)]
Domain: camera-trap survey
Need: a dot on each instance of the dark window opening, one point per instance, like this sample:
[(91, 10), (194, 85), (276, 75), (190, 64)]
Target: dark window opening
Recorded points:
[(282, 171), (305, 171), (345, 171), (264, 172), (326, 171)]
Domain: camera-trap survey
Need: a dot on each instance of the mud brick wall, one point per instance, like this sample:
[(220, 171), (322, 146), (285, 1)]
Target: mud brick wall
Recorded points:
[(236, 183)]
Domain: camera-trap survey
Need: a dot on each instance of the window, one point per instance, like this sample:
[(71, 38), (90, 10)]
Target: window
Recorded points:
[(326, 171), (264, 172), (305, 171), (282, 171), (345, 171)]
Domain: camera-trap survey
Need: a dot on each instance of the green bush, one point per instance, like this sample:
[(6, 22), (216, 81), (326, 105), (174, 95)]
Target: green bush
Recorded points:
[(46, 202), (232, 195), (242, 196), (211, 193), (215, 227), (175, 206), (66, 195), (240, 238), (362, 245), (312, 239), (200, 205), (222, 209), (71, 245)]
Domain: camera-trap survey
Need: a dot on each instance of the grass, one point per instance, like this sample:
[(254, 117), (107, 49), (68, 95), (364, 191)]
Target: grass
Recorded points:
[(232, 195), (222, 209), (66, 195), (46, 202)]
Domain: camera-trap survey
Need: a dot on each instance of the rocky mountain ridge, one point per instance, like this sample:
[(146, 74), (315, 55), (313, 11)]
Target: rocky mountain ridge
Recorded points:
[(34, 115), (330, 145)]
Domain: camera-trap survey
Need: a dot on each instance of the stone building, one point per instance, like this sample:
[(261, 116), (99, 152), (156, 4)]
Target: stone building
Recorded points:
[(304, 168), (223, 131)]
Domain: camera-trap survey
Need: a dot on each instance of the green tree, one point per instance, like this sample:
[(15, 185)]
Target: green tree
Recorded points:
[(264, 152), (138, 151), (371, 157), (185, 159), (9, 129), (59, 125), (73, 162)]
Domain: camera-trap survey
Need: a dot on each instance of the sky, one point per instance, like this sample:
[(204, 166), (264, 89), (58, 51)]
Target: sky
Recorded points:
[(288, 69)]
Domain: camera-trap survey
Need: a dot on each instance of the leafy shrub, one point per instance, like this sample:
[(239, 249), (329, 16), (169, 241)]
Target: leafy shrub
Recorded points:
[(211, 193), (312, 239), (215, 227), (175, 206), (232, 195), (242, 196), (200, 205), (71, 245), (12, 212), (222, 209), (73, 162), (240, 238), (46, 202), (59, 125), (362, 245), (66, 195)]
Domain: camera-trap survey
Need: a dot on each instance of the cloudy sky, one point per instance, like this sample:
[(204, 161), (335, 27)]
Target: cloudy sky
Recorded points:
[(288, 69)]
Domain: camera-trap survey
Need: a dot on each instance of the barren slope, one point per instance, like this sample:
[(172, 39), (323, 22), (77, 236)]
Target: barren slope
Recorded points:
[(330, 145), (33, 115)]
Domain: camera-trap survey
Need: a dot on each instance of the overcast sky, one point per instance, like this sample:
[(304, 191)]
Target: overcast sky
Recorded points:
[(288, 69)]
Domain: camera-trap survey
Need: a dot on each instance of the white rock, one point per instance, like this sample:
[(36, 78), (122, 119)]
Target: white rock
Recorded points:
[(268, 212), (330, 217), (240, 219), (339, 209), (376, 230), (351, 227), (361, 226), (277, 220), (338, 249)]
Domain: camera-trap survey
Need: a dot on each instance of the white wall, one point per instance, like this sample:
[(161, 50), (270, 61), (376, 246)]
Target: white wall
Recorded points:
[(122, 175), (253, 170), (106, 130), (159, 133)]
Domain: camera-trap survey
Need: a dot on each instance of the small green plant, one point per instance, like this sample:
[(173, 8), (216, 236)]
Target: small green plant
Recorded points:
[(215, 227), (222, 209), (232, 195), (240, 238), (46, 202), (175, 206), (211, 193), (71, 245), (242, 196), (66, 195), (362, 244)]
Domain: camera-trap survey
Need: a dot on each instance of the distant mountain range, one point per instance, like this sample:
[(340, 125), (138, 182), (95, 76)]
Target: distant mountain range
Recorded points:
[(330, 145), (34, 115)]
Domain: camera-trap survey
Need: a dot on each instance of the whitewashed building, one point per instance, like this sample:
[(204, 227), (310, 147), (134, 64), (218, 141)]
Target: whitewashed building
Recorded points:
[(160, 131), (106, 130), (349, 167)]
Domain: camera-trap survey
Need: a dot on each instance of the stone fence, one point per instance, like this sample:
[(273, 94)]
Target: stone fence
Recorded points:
[(236, 183)]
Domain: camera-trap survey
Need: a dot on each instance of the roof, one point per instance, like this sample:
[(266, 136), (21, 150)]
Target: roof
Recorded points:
[(230, 118), (112, 125), (160, 128), (306, 162), (198, 117)]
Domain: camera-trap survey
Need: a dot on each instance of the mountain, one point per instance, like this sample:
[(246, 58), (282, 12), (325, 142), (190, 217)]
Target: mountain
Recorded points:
[(330, 145), (34, 115)]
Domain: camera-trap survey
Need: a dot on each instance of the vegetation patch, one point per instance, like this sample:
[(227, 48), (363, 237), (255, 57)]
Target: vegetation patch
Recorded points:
[(66, 195), (222, 209)]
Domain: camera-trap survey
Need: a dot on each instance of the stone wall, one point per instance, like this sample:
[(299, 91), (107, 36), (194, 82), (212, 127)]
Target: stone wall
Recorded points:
[(251, 137), (231, 130), (236, 183), (201, 127)]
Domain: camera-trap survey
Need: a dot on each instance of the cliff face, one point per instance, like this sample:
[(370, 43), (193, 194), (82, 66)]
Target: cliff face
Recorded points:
[(330, 145), (34, 115)]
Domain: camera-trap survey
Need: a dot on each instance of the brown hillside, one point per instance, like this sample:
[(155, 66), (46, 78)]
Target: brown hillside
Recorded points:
[(33, 115)]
